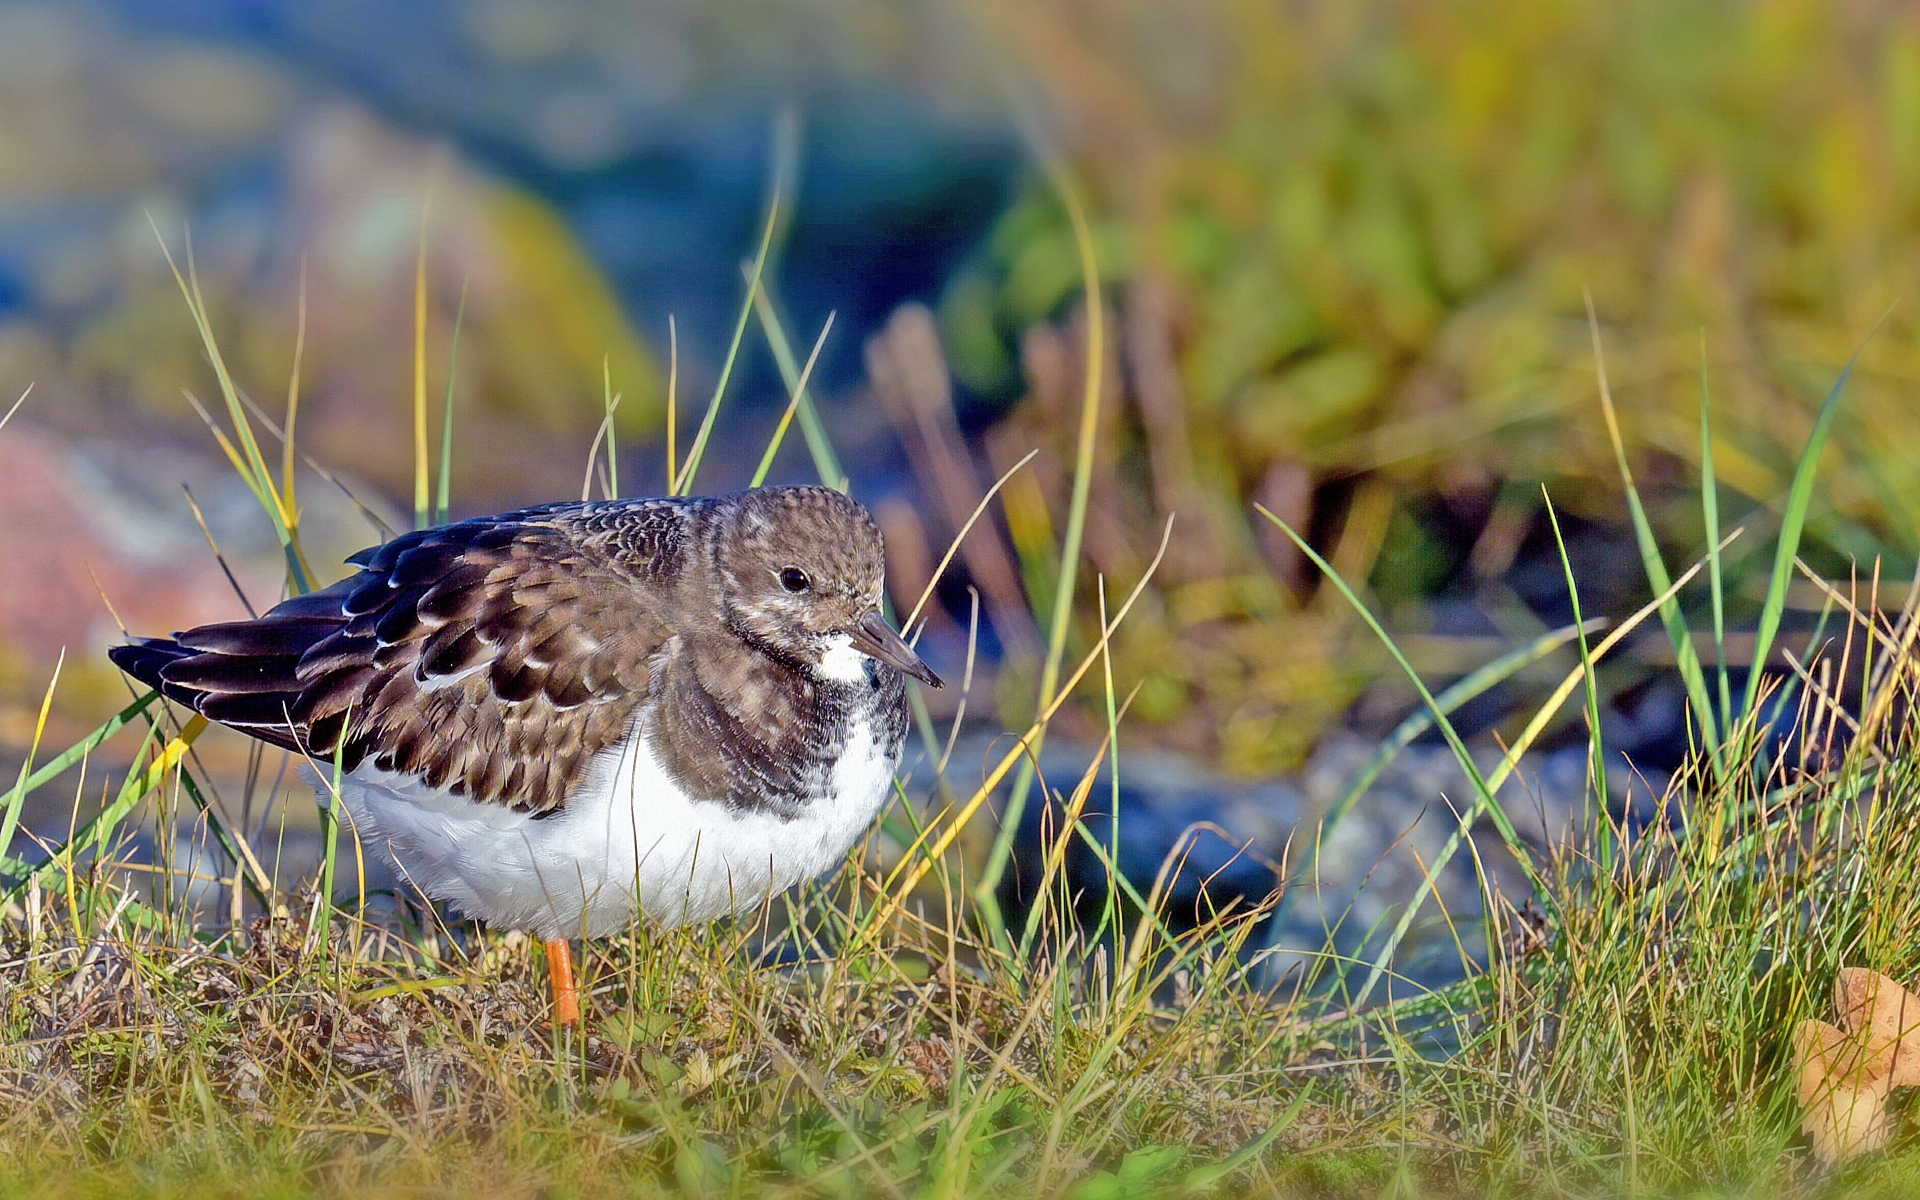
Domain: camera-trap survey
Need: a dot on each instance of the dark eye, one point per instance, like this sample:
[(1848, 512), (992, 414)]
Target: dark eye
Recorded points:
[(794, 580)]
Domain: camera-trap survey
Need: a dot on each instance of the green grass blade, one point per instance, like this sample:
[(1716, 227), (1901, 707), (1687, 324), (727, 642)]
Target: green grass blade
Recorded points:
[(684, 485), (1109, 913), (255, 472), (288, 497), (799, 390), (825, 462), (920, 857), (1202, 1180), (1062, 619), (1492, 805), (441, 500), (1466, 995), (1791, 687), (330, 816), (228, 840), (673, 399), (1500, 775), (1595, 747), (231, 841), (1793, 522), (1655, 567), (64, 761), (1710, 516), (235, 458), (1421, 719), (16, 800), (139, 781), (99, 830), (421, 514), (380, 528), (609, 402)]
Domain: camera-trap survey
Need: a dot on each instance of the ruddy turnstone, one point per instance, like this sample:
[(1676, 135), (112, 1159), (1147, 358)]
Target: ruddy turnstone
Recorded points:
[(561, 718)]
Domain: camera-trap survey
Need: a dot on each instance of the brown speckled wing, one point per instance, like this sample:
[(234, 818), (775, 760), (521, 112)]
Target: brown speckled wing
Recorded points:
[(492, 657)]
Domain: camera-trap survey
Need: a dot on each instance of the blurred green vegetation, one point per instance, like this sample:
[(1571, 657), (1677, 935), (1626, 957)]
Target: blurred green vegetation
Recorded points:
[(1358, 235)]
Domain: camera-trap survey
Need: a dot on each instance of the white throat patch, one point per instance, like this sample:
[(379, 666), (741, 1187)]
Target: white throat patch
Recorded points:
[(842, 663)]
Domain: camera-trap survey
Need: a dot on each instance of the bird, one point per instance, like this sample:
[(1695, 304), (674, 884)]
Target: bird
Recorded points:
[(568, 718)]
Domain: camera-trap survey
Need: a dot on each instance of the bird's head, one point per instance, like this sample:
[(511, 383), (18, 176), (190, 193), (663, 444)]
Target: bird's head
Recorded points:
[(801, 572)]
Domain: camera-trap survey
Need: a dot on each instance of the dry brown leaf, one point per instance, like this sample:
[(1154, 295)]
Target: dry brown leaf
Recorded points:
[(1843, 1091), (1869, 1003), (1846, 1072)]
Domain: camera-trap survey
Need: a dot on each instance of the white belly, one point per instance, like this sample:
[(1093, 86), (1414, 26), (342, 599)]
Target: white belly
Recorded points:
[(627, 841)]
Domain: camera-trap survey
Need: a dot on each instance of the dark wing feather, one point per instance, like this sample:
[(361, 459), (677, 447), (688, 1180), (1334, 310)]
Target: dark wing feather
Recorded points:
[(494, 657)]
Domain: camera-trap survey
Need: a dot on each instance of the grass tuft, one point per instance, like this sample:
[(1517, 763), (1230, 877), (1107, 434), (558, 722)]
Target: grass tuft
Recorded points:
[(885, 1033)]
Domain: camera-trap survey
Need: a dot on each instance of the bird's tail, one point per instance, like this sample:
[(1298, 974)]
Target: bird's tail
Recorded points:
[(144, 659)]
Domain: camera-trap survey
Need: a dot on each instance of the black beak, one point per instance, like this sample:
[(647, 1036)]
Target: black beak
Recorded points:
[(876, 639)]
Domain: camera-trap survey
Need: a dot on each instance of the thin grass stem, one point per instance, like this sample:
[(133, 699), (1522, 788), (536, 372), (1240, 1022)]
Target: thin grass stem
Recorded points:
[(1650, 559), (825, 462), (799, 390), (1062, 619), (1710, 517), (1596, 749), (422, 514), (443, 494), (683, 485), (1793, 521), (610, 401)]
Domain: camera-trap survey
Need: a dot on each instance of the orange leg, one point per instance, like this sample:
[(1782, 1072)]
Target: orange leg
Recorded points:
[(566, 994)]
